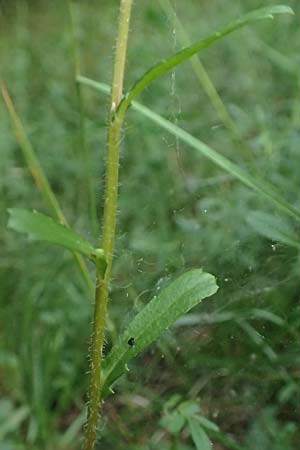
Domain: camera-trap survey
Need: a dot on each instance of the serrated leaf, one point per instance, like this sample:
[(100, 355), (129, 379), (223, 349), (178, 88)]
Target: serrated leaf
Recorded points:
[(158, 315), (167, 64), (40, 227), (200, 438), (274, 228)]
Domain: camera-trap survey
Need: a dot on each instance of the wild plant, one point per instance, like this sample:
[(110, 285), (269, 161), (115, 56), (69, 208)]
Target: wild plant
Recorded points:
[(191, 287)]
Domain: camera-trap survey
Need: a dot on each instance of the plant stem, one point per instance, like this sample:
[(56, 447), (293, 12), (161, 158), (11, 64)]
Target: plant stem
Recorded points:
[(109, 226)]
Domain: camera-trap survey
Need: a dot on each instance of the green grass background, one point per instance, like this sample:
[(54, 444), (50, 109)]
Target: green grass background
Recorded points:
[(236, 354)]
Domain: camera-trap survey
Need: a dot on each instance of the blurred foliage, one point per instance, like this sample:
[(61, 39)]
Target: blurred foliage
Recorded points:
[(238, 353)]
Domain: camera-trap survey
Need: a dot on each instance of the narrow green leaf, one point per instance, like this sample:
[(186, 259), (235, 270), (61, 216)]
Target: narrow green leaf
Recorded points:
[(41, 181), (258, 339), (71, 435), (40, 227), (262, 188), (273, 228), (33, 164), (263, 314), (201, 74), (208, 424), (171, 403), (158, 315), (226, 441), (167, 64), (13, 421), (200, 438)]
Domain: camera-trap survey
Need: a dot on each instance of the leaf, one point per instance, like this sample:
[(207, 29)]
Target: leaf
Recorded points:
[(158, 315), (13, 421), (208, 424), (40, 227), (263, 314), (33, 164), (262, 188), (171, 403), (70, 436), (189, 408), (39, 176), (167, 64), (173, 422), (201, 73), (200, 438), (273, 228)]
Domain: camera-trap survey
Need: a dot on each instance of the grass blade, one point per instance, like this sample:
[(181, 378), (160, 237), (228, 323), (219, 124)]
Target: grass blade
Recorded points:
[(39, 176), (33, 164), (167, 64), (265, 190), (273, 228), (202, 75), (85, 156), (13, 421), (72, 434)]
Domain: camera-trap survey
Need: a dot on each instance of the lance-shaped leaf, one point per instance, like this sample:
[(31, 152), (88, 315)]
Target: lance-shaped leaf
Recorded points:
[(199, 436), (40, 227), (273, 228), (264, 189), (167, 64), (158, 315)]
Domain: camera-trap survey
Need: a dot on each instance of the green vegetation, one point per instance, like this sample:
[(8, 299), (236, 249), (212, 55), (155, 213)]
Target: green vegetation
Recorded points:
[(226, 376)]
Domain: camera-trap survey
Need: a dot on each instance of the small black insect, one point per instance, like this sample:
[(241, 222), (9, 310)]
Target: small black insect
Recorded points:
[(131, 341)]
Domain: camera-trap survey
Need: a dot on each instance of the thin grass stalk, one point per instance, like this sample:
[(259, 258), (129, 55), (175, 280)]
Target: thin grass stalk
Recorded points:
[(39, 176), (86, 159), (109, 226)]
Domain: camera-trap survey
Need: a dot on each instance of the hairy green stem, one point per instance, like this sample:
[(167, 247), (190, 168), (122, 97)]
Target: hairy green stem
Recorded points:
[(109, 226)]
